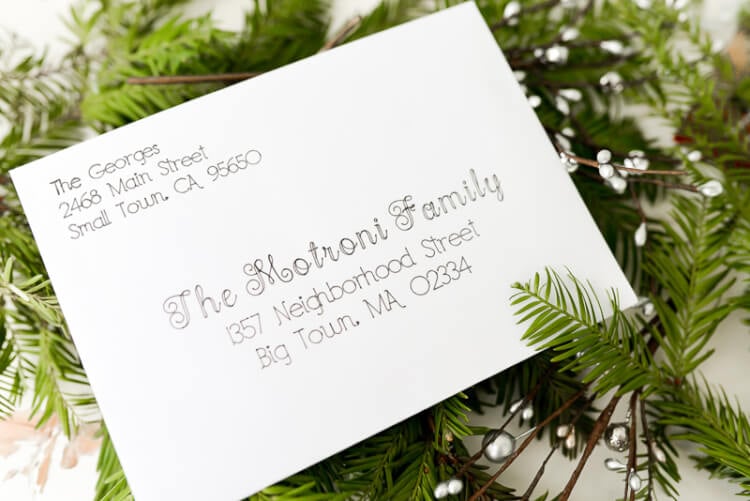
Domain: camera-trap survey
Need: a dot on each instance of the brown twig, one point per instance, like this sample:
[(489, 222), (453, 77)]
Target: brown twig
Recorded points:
[(630, 468), (593, 163), (596, 433), (539, 473), (344, 33), (337, 39), (528, 398), (192, 79), (573, 44), (598, 430), (659, 182), (599, 427), (555, 446), (591, 143), (586, 140), (534, 432), (579, 84), (637, 203), (584, 64), (649, 444)]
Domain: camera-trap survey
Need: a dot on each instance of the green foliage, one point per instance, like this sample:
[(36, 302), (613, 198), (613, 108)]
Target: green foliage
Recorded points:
[(112, 484), (717, 425), (688, 261), (375, 466), (10, 379), (565, 318), (177, 45), (275, 33), (388, 14), (39, 103), (42, 350), (281, 33), (398, 463)]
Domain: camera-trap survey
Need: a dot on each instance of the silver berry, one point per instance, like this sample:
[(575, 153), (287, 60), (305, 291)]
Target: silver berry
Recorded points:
[(617, 437)]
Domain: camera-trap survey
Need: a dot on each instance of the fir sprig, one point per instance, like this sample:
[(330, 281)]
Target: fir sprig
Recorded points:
[(567, 318), (689, 263), (111, 484), (717, 425)]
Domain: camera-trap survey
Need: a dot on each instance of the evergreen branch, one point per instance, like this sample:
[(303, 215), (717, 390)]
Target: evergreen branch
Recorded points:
[(282, 32), (10, 374), (42, 121), (372, 475), (565, 320), (418, 480), (111, 484), (450, 421), (195, 44), (29, 292), (304, 485), (690, 267), (374, 467), (387, 14), (43, 350), (381, 467), (40, 103), (336, 40), (48, 358), (719, 427)]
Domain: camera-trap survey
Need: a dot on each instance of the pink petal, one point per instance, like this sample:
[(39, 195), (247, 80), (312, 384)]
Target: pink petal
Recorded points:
[(69, 457), (43, 475)]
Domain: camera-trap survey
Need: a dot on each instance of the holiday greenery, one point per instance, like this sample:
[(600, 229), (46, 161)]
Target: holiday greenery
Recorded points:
[(581, 63)]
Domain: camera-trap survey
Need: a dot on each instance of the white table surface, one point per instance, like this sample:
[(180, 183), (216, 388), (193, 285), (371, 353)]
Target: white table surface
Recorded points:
[(39, 22)]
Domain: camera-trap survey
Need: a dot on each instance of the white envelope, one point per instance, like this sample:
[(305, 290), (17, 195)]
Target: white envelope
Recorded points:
[(399, 184)]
